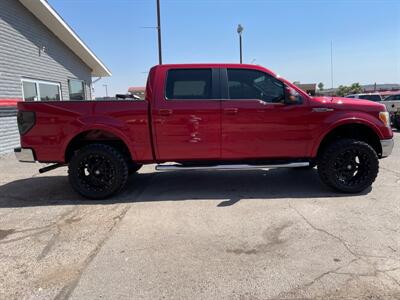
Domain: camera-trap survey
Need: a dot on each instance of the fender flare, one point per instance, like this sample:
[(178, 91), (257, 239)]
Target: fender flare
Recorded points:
[(101, 127), (342, 122)]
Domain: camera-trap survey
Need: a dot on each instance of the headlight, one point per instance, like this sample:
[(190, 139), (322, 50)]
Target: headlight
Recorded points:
[(385, 118)]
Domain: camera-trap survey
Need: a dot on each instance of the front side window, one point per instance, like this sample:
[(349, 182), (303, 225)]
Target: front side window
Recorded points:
[(76, 89), (189, 84), (36, 90), (253, 84)]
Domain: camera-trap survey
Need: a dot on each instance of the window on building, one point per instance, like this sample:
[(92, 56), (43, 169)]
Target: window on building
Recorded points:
[(76, 89), (189, 84), (252, 84), (30, 91), (37, 90)]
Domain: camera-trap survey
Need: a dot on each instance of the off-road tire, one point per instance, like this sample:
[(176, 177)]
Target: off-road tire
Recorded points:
[(336, 163), (98, 171)]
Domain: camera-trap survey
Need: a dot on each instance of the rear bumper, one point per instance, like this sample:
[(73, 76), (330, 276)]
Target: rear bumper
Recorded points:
[(24, 154), (387, 147)]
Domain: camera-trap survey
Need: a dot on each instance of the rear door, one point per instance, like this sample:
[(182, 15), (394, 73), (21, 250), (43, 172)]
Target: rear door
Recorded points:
[(187, 114), (256, 123)]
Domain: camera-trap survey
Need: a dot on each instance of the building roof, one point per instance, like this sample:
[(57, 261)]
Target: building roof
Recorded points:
[(134, 89), (307, 86), (53, 21)]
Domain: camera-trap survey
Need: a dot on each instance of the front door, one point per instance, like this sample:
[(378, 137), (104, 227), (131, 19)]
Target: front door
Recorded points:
[(187, 115), (256, 123)]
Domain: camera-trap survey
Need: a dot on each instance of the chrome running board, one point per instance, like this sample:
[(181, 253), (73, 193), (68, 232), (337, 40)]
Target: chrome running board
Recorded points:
[(176, 167)]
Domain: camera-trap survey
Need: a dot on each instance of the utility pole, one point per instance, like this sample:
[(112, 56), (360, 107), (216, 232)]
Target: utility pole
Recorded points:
[(239, 31), (159, 33)]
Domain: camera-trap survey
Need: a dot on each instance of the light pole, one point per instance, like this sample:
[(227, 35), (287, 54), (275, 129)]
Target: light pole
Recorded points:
[(239, 31), (106, 86), (159, 32), (332, 65)]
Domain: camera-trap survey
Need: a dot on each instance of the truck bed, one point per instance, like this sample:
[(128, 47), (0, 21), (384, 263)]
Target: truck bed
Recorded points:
[(57, 123)]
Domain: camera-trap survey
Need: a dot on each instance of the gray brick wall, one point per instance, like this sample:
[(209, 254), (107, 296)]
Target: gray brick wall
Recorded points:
[(21, 37)]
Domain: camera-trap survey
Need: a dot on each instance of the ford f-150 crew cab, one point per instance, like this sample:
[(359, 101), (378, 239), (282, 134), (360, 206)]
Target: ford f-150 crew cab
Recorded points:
[(207, 116)]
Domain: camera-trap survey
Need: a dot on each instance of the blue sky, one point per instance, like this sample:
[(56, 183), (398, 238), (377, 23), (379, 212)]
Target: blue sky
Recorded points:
[(290, 37)]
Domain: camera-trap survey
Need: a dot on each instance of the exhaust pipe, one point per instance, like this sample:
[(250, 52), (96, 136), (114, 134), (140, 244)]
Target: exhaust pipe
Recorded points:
[(50, 168)]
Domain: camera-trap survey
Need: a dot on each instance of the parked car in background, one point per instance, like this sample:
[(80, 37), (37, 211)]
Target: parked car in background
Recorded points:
[(367, 96), (392, 104)]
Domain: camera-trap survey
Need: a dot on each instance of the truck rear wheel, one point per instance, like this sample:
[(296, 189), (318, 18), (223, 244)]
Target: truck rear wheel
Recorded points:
[(98, 171), (348, 165)]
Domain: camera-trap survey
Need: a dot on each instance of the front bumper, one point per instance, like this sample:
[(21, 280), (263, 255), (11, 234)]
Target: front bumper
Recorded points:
[(387, 147), (24, 154)]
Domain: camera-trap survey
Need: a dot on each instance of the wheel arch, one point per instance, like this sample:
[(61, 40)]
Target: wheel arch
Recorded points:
[(355, 130), (96, 135)]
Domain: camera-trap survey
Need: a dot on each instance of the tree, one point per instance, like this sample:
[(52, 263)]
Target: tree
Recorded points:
[(321, 86), (343, 90), (356, 88)]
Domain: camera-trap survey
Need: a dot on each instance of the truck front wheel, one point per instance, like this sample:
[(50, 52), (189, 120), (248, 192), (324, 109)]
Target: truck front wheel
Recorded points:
[(348, 165), (98, 171)]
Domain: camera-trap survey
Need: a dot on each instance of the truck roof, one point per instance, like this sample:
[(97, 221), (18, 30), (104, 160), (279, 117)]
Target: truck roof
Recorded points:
[(217, 65)]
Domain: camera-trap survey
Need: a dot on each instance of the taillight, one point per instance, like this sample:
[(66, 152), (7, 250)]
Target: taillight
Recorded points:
[(26, 120)]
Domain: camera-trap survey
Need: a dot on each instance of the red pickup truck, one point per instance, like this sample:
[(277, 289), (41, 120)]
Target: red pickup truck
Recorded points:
[(207, 116)]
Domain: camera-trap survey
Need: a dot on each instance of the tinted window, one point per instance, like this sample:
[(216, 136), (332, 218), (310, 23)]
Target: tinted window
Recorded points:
[(349, 96), (252, 84), (30, 91), (189, 84), (76, 89), (393, 97), (370, 97), (49, 92)]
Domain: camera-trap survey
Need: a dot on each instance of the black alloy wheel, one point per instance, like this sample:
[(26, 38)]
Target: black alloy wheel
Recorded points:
[(348, 165), (98, 171)]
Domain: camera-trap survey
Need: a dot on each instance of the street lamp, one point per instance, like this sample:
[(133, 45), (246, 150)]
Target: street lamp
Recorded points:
[(239, 31), (158, 31)]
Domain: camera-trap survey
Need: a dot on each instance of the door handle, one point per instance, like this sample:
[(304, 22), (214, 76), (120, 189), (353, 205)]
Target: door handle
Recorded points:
[(165, 112), (231, 111)]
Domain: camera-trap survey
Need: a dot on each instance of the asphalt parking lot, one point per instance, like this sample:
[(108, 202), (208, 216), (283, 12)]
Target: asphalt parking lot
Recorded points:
[(271, 234)]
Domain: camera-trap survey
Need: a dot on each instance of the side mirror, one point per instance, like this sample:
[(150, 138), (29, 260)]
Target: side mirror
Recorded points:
[(292, 96)]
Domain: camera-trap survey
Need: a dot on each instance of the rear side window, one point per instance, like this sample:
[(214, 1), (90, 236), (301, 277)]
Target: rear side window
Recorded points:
[(253, 84), (371, 97), (189, 84)]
